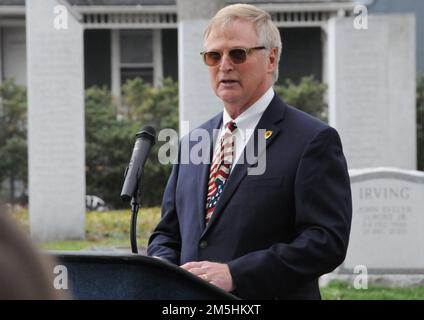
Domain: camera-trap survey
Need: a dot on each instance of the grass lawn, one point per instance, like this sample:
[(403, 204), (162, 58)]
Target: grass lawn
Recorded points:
[(338, 290), (103, 229), (111, 229)]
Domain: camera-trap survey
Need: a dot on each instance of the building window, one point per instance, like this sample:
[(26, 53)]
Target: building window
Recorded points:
[(136, 55)]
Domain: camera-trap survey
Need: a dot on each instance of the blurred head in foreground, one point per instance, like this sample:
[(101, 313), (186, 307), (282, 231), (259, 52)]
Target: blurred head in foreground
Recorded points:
[(24, 272)]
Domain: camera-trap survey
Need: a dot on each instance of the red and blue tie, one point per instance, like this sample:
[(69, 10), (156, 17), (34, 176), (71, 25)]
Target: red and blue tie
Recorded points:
[(220, 168)]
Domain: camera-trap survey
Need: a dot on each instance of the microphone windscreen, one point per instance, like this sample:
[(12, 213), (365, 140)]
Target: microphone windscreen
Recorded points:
[(147, 132)]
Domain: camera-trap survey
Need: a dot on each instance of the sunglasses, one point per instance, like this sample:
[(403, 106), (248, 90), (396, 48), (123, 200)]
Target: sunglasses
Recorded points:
[(237, 55)]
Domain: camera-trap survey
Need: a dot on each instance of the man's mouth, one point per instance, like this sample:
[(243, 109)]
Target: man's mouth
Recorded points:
[(229, 81)]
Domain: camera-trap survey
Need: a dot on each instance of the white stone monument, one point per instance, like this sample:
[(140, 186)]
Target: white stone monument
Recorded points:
[(387, 222), (197, 100), (372, 90), (56, 148)]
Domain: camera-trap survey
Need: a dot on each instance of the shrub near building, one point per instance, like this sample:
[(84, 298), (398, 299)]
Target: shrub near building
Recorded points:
[(110, 138)]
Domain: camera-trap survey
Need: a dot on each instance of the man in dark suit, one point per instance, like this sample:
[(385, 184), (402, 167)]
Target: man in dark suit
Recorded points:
[(260, 236)]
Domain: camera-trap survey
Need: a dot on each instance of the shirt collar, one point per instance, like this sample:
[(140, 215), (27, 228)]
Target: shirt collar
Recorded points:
[(250, 117)]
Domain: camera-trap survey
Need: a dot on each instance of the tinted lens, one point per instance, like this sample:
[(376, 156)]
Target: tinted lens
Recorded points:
[(212, 58), (238, 55)]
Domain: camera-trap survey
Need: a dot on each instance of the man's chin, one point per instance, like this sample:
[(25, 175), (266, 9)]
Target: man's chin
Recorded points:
[(229, 97)]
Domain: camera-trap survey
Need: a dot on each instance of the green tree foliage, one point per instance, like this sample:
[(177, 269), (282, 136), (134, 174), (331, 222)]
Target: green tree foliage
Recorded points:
[(308, 96), (157, 107), (420, 121), (109, 141), (108, 145), (13, 132)]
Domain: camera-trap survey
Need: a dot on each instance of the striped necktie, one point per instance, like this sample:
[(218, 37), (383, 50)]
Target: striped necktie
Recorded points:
[(220, 168)]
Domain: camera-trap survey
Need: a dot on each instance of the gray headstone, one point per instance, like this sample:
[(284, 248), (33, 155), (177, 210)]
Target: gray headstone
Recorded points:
[(388, 221), (372, 90), (56, 146)]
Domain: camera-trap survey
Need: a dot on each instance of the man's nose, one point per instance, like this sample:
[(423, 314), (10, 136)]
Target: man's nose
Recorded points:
[(226, 64)]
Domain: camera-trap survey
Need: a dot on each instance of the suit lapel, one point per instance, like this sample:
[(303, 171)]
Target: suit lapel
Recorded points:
[(273, 114)]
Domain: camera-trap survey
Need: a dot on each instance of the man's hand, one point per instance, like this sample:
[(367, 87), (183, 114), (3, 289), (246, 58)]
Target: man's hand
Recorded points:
[(217, 274)]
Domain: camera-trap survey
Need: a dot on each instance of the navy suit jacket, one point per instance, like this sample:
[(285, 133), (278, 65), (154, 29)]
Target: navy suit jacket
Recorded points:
[(278, 231)]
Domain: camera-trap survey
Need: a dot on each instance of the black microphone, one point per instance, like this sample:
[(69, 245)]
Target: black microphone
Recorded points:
[(145, 139)]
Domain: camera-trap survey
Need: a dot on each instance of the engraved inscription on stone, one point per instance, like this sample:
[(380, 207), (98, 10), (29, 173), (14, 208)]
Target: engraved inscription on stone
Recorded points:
[(388, 219)]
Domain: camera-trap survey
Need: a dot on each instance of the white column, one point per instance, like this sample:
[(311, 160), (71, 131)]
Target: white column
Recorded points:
[(56, 147), (198, 102), (157, 58), (1, 55), (324, 48), (115, 64)]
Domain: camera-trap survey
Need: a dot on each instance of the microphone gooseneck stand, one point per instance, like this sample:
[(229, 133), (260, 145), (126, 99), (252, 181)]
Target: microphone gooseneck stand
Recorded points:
[(135, 205)]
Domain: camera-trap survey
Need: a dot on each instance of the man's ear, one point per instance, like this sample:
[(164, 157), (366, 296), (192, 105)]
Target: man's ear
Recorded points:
[(272, 59)]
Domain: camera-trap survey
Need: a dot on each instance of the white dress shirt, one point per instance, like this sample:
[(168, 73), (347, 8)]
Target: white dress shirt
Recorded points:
[(246, 123)]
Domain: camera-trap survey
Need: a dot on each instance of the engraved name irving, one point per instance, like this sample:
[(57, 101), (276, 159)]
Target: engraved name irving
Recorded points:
[(386, 193)]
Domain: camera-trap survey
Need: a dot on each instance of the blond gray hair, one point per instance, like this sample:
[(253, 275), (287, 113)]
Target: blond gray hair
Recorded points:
[(266, 31)]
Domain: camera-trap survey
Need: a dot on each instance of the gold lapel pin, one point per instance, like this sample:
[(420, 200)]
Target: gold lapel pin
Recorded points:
[(268, 134)]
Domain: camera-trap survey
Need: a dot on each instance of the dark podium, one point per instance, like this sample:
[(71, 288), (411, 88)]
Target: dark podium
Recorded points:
[(105, 275)]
